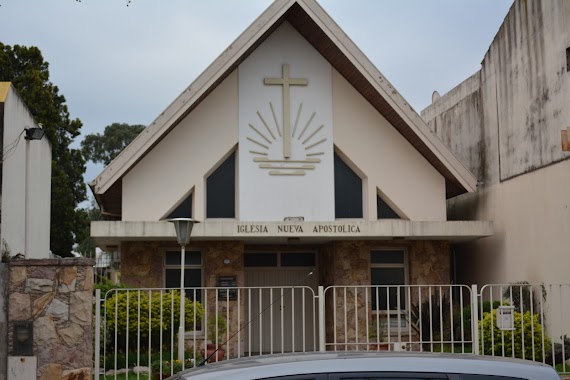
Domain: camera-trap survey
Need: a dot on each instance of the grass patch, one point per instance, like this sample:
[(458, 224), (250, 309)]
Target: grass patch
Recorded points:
[(130, 376), (560, 368)]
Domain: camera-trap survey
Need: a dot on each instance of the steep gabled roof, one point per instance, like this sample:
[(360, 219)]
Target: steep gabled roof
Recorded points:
[(317, 27)]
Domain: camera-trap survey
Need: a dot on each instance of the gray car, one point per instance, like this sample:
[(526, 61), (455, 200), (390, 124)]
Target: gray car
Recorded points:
[(369, 366)]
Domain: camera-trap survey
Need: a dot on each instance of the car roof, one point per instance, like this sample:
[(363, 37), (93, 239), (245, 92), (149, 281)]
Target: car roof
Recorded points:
[(255, 367)]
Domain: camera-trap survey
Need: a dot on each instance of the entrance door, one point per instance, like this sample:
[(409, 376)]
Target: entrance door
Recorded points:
[(282, 305)]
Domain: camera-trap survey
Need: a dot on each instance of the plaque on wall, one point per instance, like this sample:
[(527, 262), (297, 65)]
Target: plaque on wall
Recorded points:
[(226, 283)]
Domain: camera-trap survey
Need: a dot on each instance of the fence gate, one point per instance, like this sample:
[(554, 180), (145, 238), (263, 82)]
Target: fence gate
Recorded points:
[(535, 322), (397, 318), (138, 327)]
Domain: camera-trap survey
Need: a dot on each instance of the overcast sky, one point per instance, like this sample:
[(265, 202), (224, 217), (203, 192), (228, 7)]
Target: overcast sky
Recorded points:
[(115, 63)]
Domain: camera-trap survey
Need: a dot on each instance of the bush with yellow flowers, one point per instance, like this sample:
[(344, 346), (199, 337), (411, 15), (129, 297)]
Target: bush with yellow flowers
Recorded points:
[(139, 314), (519, 343)]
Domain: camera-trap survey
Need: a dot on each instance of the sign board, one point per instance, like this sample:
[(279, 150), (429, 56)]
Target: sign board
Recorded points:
[(506, 318), (226, 283)]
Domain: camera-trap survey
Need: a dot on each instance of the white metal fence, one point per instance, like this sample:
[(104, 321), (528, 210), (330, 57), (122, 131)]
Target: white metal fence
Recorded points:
[(541, 324), (137, 327), (411, 318)]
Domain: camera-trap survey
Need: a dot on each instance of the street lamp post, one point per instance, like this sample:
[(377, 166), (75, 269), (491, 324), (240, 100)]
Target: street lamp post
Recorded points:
[(183, 227)]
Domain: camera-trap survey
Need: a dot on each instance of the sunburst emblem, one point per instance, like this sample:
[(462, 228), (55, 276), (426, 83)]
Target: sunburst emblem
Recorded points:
[(267, 153)]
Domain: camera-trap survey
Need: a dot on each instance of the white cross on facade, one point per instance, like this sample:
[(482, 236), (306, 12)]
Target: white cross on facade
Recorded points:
[(285, 81)]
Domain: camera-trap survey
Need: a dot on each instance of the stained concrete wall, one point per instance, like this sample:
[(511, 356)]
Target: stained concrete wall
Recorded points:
[(504, 123), (506, 119), (4, 283)]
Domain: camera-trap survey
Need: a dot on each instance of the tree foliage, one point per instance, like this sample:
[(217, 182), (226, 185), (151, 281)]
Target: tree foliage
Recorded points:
[(85, 244), (105, 147), (29, 73), (102, 148)]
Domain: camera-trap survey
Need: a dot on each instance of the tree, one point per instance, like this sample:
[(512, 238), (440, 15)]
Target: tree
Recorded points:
[(104, 148), (85, 244), (29, 73)]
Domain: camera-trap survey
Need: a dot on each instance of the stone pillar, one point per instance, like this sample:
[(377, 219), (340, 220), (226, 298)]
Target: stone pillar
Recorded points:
[(348, 265), (429, 265), (57, 295), (214, 255), (4, 283)]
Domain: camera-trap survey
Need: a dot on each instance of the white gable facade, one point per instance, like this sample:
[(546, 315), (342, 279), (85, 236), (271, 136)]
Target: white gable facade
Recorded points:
[(290, 143)]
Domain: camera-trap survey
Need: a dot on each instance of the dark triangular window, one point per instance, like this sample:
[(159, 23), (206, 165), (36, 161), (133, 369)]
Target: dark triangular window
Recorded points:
[(184, 209), (347, 191), (385, 211), (220, 190)]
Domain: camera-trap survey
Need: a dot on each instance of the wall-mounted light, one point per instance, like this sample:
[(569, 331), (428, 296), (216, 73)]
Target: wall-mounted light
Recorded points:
[(227, 261), (34, 133), (23, 338)]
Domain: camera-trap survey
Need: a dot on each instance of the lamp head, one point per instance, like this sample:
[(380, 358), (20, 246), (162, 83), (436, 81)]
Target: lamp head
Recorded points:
[(183, 227), (34, 133)]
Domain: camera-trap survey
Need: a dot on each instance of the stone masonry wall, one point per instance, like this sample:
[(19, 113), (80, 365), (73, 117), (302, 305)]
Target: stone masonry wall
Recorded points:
[(214, 255), (142, 266), (347, 263), (57, 295)]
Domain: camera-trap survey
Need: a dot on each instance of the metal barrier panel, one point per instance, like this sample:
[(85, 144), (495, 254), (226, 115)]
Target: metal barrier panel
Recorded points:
[(396, 318), (138, 327), (526, 321)]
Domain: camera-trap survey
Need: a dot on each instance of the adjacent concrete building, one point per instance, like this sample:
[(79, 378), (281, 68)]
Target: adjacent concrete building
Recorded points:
[(25, 187), (505, 123)]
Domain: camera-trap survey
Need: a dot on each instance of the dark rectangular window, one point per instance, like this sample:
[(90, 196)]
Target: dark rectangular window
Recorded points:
[(388, 276), (220, 190), (387, 271), (279, 259), (387, 256), (297, 259), (190, 258), (568, 59), (192, 273), (254, 259)]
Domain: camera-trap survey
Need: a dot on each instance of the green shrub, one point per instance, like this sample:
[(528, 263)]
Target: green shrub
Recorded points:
[(130, 316), (526, 323), (105, 285)]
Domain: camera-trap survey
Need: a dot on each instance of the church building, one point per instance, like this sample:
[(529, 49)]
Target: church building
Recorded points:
[(296, 156)]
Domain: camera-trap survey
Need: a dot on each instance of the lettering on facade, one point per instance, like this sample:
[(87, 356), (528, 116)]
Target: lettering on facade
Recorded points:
[(333, 228), (290, 228), (252, 229), (298, 229)]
